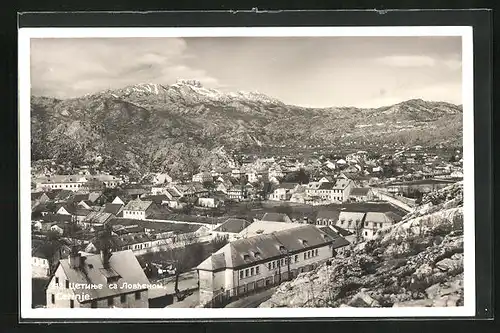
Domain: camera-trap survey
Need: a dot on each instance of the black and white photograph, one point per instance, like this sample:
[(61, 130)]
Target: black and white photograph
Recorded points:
[(236, 172)]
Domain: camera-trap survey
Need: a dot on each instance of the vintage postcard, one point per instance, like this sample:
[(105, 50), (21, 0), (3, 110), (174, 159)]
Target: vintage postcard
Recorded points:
[(246, 172)]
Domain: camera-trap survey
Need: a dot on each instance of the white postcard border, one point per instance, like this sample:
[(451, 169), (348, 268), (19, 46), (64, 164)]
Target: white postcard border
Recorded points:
[(27, 312)]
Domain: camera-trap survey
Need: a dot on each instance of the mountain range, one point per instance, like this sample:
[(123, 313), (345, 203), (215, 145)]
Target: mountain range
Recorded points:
[(185, 127)]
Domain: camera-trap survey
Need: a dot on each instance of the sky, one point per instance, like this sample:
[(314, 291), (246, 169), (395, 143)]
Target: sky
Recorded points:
[(305, 71)]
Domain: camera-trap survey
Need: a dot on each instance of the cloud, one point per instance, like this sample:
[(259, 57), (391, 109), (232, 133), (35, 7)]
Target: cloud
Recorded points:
[(407, 61), (73, 67)]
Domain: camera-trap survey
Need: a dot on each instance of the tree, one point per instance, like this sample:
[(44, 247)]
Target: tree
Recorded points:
[(218, 242), (210, 186)]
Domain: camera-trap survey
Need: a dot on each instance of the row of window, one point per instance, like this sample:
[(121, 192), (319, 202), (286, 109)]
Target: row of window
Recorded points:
[(249, 272), (375, 224), (111, 300), (133, 212), (311, 253)]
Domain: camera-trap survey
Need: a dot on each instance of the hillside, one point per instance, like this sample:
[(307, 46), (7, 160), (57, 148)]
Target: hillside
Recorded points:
[(417, 262), (183, 127)]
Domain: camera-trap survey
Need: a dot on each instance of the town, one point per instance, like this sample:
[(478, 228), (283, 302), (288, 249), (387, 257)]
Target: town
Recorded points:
[(216, 237)]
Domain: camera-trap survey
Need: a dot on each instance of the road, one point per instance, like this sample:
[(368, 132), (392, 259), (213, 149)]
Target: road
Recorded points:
[(252, 301)]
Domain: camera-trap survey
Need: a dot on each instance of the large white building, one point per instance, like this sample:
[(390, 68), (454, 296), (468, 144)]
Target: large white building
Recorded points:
[(337, 191), (74, 182), (98, 281), (264, 260)]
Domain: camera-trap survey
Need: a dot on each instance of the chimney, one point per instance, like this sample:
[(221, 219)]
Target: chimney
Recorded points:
[(105, 256), (75, 258)]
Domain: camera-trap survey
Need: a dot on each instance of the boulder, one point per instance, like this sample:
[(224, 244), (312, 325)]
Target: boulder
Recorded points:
[(363, 300)]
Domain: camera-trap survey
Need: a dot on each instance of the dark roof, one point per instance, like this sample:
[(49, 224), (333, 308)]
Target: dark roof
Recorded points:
[(287, 186), (114, 209), (328, 214), (338, 241), (64, 195), (360, 191), (77, 197), (233, 225), (56, 218), (157, 199), (122, 264), (47, 249), (36, 195), (343, 232)]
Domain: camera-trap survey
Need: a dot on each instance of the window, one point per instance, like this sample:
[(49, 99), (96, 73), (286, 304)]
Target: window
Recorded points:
[(67, 284), (111, 301), (246, 272), (366, 233), (123, 298), (53, 298), (305, 255), (282, 262), (241, 273), (251, 271), (366, 224), (93, 305), (71, 303), (316, 251), (57, 281), (137, 295), (257, 270), (269, 265), (296, 258)]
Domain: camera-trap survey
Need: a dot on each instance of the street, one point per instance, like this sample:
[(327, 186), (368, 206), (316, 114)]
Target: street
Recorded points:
[(252, 301)]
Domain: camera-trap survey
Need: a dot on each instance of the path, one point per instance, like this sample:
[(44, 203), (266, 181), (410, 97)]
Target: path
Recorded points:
[(252, 301)]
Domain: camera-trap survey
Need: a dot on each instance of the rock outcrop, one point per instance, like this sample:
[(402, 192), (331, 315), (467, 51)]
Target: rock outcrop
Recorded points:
[(416, 262)]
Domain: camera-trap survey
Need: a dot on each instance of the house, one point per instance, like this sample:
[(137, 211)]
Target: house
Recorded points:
[(276, 217), (262, 261), (113, 208), (213, 202), (202, 177), (352, 221), (45, 255), (161, 178), (105, 280), (360, 194), (97, 198), (327, 217), (238, 192), (341, 244), (349, 236), (138, 209), (74, 211), (331, 192), (97, 219), (75, 182), (327, 179), (283, 192), (231, 228), (375, 221)]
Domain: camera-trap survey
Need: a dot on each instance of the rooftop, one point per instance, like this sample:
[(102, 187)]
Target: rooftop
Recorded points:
[(122, 264)]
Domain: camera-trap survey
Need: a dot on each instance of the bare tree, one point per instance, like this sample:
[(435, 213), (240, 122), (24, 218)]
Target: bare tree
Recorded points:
[(182, 255)]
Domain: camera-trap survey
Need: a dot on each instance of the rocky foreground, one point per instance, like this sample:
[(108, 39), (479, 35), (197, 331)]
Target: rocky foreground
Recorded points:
[(417, 262)]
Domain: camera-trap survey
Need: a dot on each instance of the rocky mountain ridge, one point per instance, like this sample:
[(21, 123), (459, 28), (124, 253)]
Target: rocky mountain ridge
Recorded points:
[(174, 128), (416, 262)]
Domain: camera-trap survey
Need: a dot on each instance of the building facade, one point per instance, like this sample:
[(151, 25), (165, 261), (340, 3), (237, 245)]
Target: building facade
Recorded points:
[(262, 261)]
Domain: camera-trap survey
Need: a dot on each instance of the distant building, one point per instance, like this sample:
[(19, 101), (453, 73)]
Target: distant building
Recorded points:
[(283, 192), (360, 194), (202, 177), (238, 192), (138, 209), (327, 217), (75, 182), (276, 217), (375, 221), (104, 275)]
